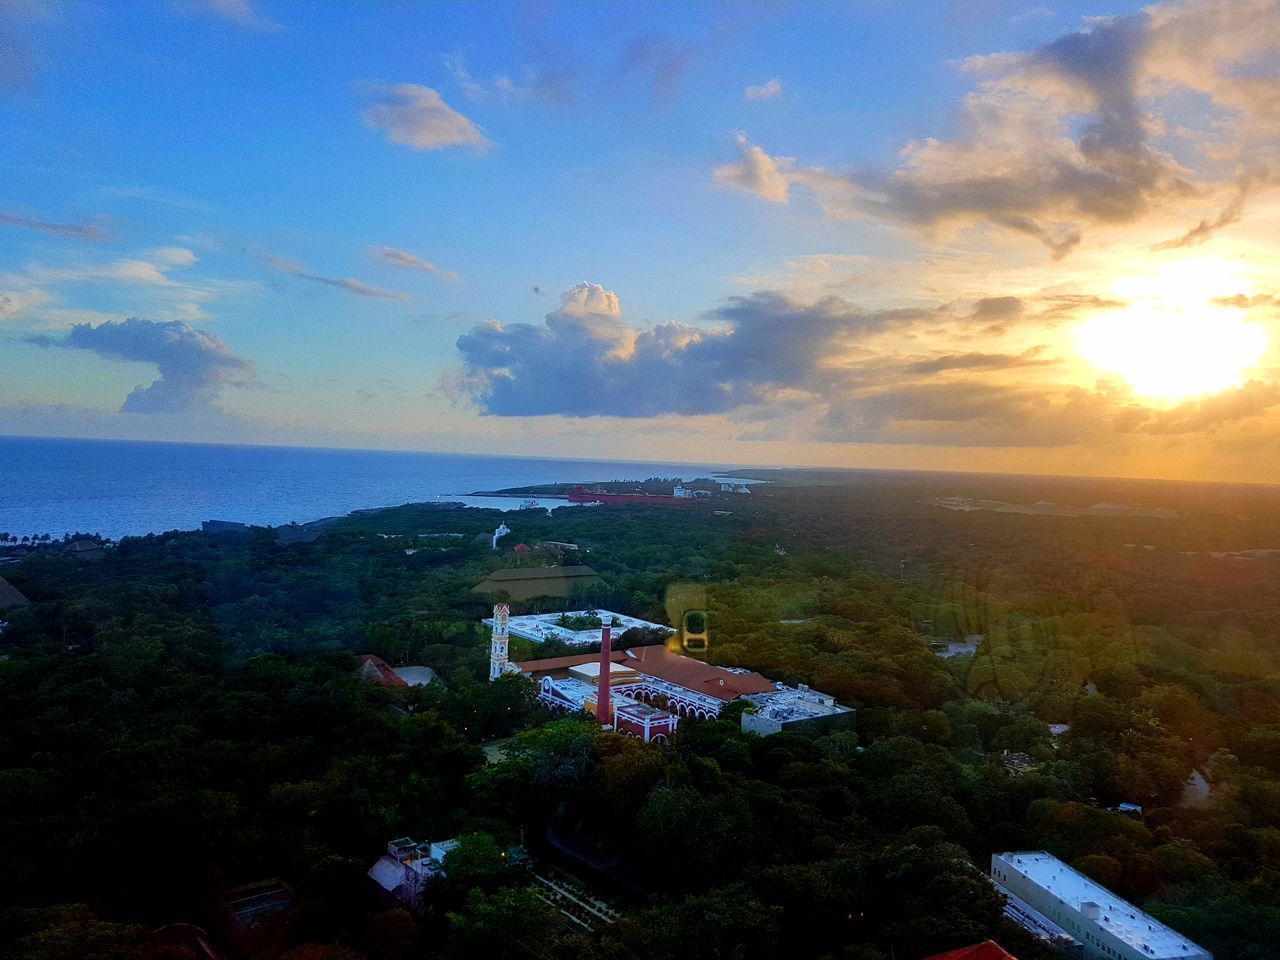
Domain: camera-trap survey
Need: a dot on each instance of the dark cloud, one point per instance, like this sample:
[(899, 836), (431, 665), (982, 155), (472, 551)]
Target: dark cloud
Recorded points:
[(813, 370), (989, 309), (1112, 176), (659, 62), (1248, 184), (194, 365), (979, 361), (950, 402), (585, 361), (293, 268), (1208, 413), (1059, 139), (74, 231)]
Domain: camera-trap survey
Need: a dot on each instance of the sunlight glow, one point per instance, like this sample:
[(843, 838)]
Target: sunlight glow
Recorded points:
[(1172, 341)]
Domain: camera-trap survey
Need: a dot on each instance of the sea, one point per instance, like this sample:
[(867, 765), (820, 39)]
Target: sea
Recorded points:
[(122, 488)]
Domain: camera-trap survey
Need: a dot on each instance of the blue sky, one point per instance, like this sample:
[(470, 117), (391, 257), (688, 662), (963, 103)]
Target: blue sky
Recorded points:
[(362, 224)]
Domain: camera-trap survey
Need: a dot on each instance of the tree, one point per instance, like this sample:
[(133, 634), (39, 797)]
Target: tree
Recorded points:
[(475, 862)]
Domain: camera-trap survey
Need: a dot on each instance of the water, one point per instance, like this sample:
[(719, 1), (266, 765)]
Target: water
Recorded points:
[(119, 488)]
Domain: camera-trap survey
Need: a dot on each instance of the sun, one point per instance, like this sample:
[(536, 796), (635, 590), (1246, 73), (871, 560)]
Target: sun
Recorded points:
[(1172, 341)]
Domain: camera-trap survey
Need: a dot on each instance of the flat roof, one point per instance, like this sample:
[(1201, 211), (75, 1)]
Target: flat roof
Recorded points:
[(415, 676), (1118, 917), (540, 627)]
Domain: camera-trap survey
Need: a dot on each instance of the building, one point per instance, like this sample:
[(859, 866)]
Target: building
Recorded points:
[(85, 548), (540, 627), (407, 867), (260, 918), (376, 670), (224, 526), (1107, 927), (498, 663), (415, 676), (673, 687), (795, 709), (10, 596), (1017, 763), (524, 583), (986, 950)]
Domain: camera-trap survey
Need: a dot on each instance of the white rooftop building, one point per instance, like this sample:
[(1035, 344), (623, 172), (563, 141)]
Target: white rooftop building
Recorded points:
[(1107, 926), (540, 627)]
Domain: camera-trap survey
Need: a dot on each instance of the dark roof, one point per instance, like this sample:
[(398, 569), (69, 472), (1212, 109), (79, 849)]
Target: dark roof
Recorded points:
[(11, 596), (541, 573), (658, 661), (987, 950)]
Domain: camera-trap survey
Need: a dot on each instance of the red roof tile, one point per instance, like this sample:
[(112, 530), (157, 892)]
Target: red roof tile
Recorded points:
[(658, 661), (376, 669), (563, 663)]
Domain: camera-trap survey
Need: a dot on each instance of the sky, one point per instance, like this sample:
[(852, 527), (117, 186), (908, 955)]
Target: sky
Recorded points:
[(990, 236)]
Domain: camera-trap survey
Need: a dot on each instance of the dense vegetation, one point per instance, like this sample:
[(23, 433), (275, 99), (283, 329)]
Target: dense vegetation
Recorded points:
[(185, 716)]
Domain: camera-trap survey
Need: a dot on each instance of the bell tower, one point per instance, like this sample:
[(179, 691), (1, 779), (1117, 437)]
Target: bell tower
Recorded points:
[(498, 645)]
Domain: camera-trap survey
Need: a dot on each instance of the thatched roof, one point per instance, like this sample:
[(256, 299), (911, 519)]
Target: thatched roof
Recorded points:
[(11, 596)]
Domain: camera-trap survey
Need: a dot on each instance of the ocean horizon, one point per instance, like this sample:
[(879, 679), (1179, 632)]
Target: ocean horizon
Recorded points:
[(134, 487)]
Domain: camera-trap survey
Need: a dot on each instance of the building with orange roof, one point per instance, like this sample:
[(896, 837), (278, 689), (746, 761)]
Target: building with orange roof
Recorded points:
[(672, 685)]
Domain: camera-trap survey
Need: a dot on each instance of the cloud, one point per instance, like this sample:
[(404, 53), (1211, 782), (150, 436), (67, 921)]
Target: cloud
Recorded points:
[(660, 63), (418, 117), (18, 303), (73, 231), (17, 57), (407, 261), (1246, 302), (770, 90), (1062, 139), (1208, 413), (755, 172), (240, 13), (585, 361), (295, 269), (160, 195), (979, 361), (1248, 184), (193, 365), (819, 370), (545, 83), (144, 272)]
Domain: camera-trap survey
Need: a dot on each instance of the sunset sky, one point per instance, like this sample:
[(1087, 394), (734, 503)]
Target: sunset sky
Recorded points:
[(979, 236)]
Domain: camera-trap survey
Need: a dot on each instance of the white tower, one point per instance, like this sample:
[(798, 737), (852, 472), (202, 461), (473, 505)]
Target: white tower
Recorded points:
[(498, 645)]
